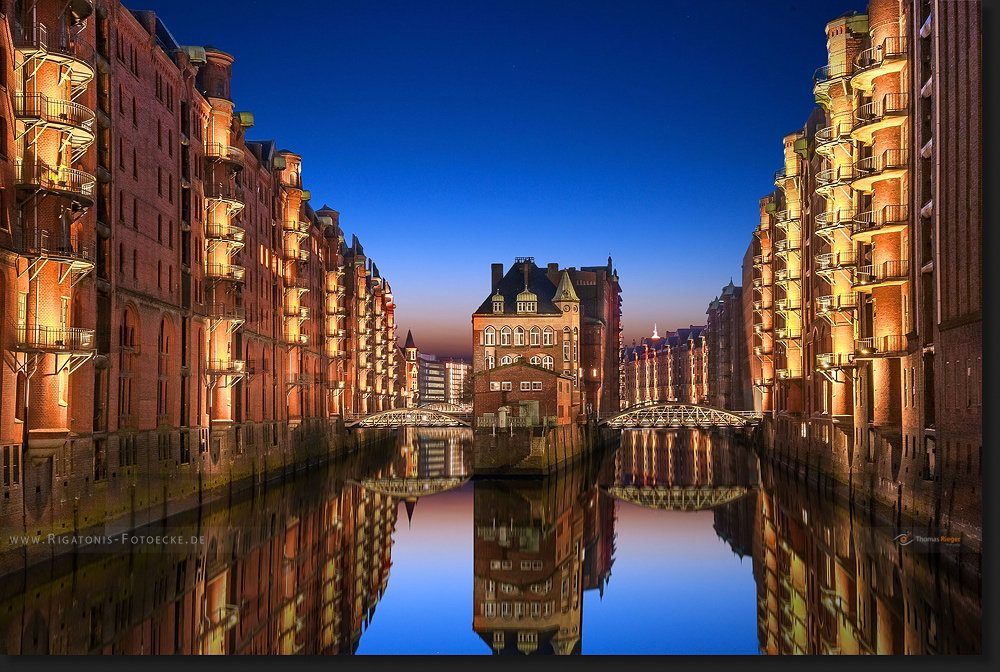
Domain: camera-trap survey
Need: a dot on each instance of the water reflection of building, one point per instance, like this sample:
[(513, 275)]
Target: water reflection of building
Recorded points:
[(829, 583), (538, 546), (295, 569)]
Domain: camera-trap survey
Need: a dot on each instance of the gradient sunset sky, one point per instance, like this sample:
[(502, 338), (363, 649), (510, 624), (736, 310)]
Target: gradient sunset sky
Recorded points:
[(453, 134)]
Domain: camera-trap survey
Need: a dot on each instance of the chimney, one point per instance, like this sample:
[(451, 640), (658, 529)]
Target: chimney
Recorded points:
[(524, 271), (497, 270), (553, 269)]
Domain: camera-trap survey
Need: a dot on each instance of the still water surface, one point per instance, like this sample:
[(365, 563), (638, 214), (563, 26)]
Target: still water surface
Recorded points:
[(674, 541)]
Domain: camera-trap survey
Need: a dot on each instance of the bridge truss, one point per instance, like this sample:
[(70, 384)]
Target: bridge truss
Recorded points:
[(409, 417), (679, 497), (405, 488), (679, 415)]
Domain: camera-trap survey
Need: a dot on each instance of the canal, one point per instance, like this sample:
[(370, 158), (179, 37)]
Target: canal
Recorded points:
[(661, 542)]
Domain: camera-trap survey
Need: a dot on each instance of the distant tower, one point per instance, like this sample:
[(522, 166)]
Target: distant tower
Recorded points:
[(656, 336), (412, 370)]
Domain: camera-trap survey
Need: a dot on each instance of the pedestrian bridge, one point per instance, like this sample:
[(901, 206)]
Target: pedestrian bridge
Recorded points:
[(410, 417), (408, 488), (679, 497), (679, 415)]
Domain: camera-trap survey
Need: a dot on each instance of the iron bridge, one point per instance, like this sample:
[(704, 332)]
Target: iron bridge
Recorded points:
[(679, 415), (406, 488), (410, 417), (679, 497)]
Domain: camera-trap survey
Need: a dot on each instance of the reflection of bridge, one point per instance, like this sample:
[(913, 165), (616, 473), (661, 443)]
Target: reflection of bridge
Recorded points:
[(679, 415), (411, 417), (679, 497), (448, 407), (406, 488)]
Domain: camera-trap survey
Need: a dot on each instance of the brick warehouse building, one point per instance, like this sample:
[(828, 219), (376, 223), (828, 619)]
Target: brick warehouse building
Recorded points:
[(176, 314), (536, 318), (672, 368), (866, 350)]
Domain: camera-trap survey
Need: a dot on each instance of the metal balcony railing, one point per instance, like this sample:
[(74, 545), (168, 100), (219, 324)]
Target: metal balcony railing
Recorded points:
[(783, 174), (299, 379), (760, 259), (892, 345), (761, 305), (297, 283), (834, 360), (786, 304), (890, 159), (787, 274), (763, 382), (230, 272), (873, 220), (55, 178), (830, 73), (785, 216), (53, 110), (787, 374), (297, 338), (220, 311), (224, 191), (892, 48), (227, 232), (888, 271), (831, 261), (834, 219), (787, 245), (761, 350), (295, 226), (36, 38), (787, 334), (835, 302), (831, 135), (219, 151), (300, 254), (37, 242), (892, 104), (225, 367), (54, 339), (834, 177)]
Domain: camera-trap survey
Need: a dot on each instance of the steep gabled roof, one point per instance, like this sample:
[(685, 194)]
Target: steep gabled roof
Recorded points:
[(512, 284), (409, 340)]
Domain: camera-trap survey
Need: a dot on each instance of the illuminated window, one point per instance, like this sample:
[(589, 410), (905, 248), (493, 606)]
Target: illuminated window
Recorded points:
[(518, 336), (505, 336), (494, 387), (548, 336), (535, 336), (490, 336)]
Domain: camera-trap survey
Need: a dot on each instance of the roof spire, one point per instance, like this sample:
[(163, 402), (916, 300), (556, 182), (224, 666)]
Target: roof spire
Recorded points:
[(655, 335)]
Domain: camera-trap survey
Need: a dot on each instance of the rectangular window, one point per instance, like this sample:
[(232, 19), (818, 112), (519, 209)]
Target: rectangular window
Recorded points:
[(536, 385), (566, 351), (494, 386), (506, 385), (525, 385)]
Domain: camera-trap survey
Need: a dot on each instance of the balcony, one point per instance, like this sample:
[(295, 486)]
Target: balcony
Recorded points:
[(828, 361), (77, 58), (73, 118), (834, 261), (762, 350), (760, 260), (229, 272), (300, 255), (54, 339), (295, 227), (889, 165), (834, 178), (783, 276), (880, 346), (65, 181), (233, 156), (223, 192), (760, 328), (37, 243), (788, 334), (890, 111), (299, 379), (763, 382), (227, 233), (830, 221), (297, 283), (889, 219), (888, 273), (785, 305), (824, 77), (760, 305), (788, 374), (783, 174), (890, 56), (835, 303), (336, 333), (786, 245), (831, 137), (225, 313), (226, 367), (300, 312), (783, 218), (297, 338)]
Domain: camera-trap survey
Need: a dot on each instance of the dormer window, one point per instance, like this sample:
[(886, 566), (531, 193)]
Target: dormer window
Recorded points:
[(527, 307), (498, 306)]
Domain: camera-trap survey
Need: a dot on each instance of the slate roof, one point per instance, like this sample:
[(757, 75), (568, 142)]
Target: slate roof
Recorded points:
[(512, 284)]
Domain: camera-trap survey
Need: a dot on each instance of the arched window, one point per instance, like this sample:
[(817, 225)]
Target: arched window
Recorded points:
[(536, 360), (505, 336), (548, 362), (518, 335), (567, 344), (490, 336), (548, 336), (127, 357), (535, 337), (505, 360), (490, 362), (162, 378)]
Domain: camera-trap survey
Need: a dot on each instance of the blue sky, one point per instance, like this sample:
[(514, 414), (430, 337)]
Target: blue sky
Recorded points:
[(453, 134)]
